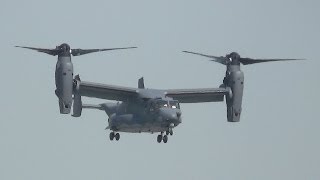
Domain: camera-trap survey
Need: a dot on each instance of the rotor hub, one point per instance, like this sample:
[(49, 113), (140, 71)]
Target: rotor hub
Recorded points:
[(64, 47), (234, 58)]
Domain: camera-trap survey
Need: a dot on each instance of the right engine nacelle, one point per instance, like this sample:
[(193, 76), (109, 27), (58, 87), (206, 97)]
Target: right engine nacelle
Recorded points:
[(64, 84), (234, 83)]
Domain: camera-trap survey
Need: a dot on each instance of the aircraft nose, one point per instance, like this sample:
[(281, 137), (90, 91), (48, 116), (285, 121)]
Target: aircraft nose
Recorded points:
[(171, 114)]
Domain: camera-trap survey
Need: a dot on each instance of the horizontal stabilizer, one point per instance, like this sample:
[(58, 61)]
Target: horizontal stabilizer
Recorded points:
[(92, 106), (109, 108)]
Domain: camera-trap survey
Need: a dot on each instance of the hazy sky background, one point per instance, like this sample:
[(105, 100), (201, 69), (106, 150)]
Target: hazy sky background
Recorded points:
[(277, 138)]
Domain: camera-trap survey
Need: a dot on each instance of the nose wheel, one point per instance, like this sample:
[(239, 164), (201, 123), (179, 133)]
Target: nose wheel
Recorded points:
[(170, 131), (114, 135)]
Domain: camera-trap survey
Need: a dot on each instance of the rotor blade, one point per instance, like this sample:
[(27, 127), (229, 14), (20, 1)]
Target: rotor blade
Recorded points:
[(52, 52), (221, 59), (247, 61), (79, 52)]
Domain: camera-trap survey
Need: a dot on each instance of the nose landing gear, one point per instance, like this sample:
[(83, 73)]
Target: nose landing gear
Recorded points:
[(170, 131)]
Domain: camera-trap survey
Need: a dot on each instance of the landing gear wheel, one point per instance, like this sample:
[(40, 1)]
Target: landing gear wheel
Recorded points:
[(165, 138), (159, 138), (117, 136), (171, 132), (111, 136), (167, 132)]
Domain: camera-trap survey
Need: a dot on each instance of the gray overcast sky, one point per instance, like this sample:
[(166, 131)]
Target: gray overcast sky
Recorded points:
[(277, 138)]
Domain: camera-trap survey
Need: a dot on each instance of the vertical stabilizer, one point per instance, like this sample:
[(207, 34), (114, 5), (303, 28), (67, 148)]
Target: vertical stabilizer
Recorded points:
[(77, 102), (141, 83)]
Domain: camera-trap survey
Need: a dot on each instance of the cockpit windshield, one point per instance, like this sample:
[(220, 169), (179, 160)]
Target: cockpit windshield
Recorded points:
[(174, 104), (161, 103), (164, 104)]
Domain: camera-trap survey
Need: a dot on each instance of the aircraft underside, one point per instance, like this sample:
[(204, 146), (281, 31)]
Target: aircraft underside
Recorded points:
[(139, 128), (132, 124)]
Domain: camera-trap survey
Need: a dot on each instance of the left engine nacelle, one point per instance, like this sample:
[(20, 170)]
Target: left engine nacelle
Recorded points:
[(235, 82)]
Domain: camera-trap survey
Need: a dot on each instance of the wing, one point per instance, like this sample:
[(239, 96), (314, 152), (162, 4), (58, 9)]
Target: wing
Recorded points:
[(197, 95), (105, 91)]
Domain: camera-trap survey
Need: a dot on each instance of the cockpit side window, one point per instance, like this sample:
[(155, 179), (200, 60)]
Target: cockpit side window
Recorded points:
[(174, 104)]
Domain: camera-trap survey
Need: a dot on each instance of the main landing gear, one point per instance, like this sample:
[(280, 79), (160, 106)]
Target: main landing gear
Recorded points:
[(164, 138), (114, 135)]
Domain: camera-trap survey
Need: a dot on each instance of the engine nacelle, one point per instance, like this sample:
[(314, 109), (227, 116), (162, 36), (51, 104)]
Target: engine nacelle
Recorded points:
[(235, 81), (64, 84)]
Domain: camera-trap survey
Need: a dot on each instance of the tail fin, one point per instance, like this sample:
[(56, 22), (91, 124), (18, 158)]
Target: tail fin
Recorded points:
[(77, 102), (141, 83), (77, 105)]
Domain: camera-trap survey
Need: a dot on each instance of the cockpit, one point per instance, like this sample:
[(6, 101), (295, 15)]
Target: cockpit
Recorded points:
[(160, 103), (174, 104)]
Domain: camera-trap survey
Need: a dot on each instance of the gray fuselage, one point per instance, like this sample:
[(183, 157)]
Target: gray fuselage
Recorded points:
[(154, 115)]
